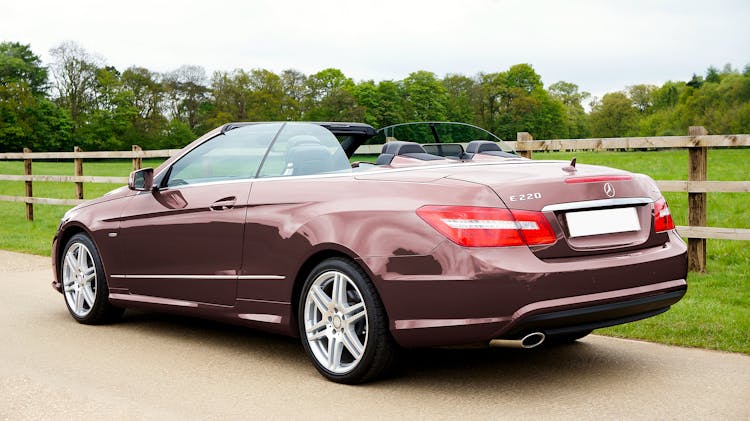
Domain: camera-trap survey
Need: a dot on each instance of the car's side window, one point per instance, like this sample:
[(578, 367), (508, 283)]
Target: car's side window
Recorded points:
[(304, 149), (236, 154)]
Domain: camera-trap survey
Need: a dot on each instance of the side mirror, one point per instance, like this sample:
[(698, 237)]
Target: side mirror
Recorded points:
[(141, 180)]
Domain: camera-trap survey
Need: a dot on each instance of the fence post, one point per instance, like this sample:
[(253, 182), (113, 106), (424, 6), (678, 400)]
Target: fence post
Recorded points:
[(137, 161), (524, 149), (698, 160), (29, 189), (78, 173)]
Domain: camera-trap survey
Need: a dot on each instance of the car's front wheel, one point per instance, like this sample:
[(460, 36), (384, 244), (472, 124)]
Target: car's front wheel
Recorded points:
[(342, 323), (84, 283)]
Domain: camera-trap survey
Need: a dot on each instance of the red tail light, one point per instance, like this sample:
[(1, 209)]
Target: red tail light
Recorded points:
[(488, 227), (662, 216)]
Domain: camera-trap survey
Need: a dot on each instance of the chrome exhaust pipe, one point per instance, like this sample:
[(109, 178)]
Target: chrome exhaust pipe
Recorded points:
[(532, 340)]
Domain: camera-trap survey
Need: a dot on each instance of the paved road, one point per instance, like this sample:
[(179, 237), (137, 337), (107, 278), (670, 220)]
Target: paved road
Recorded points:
[(153, 366)]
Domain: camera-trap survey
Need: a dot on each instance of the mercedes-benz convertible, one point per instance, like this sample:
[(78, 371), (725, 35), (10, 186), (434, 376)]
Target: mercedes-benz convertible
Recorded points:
[(447, 238)]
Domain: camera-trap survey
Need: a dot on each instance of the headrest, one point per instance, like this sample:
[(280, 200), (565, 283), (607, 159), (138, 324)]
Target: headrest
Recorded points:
[(400, 148), (479, 146), (445, 149), (303, 139)]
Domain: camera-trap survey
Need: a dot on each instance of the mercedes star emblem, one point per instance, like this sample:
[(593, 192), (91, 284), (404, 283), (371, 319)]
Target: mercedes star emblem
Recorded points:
[(609, 190)]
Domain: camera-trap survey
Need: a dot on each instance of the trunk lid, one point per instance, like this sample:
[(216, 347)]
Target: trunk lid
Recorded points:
[(592, 209)]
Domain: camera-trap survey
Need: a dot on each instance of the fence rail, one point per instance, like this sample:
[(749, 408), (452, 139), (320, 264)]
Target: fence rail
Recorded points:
[(40, 201), (704, 186), (714, 233), (65, 178), (524, 142), (157, 153), (698, 142)]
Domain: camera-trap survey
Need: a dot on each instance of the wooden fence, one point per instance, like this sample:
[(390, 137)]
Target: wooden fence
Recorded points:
[(136, 155), (697, 142)]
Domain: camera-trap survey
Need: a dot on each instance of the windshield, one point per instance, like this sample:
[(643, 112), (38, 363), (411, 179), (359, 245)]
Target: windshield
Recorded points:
[(436, 132)]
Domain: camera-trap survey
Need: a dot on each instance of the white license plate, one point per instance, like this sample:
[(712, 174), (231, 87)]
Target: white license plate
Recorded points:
[(604, 221)]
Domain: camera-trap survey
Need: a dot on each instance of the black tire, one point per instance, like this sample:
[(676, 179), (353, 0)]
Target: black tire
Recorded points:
[(379, 347), (101, 311), (567, 338)]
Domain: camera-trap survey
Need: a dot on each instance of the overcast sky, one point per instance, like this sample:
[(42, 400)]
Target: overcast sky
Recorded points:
[(600, 45)]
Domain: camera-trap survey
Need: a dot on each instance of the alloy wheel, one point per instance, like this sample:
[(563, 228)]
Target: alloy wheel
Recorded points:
[(336, 322), (79, 279)]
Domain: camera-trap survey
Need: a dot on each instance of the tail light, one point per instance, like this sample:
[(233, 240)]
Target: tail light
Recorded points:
[(662, 216), (488, 227)]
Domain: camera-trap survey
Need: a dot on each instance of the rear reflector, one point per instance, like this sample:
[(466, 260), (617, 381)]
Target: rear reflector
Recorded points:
[(662, 216), (488, 227), (596, 179)]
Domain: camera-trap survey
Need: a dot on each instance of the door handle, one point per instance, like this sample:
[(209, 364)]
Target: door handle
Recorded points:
[(223, 204)]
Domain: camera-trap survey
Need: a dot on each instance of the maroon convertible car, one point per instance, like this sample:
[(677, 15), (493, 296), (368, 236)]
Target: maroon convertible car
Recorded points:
[(449, 238)]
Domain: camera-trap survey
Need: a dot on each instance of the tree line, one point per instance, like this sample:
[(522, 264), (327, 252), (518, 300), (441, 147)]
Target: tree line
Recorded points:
[(79, 100)]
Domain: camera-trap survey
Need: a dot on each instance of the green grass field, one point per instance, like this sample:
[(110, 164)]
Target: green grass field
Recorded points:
[(715, 314)]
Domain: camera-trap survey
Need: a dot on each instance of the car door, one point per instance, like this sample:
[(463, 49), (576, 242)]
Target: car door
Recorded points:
[(184, 240), (284, 197)]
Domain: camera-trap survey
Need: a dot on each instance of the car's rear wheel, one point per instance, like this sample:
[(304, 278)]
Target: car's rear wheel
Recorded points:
[(84, 283), (343, 325)]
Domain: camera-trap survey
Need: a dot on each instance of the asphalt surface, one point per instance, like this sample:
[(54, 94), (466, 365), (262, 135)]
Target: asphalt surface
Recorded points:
[(152, 366)]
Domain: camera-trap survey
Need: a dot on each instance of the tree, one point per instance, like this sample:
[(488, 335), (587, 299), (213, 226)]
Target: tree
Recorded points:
[(231, 94), (110, 124), (642, 96), (330, 97), (390, 107), (576, 121), (722, 107), (667, 95), (615, 116), (661, 120), (74, 71), (294, 84), (695, 82), (146, 93), (19, 64), (177, 135), (27, 117), (367, 97), (518, 102), (29, 121), (425, 98), (524, 77), (266, 97), (98, 107), (567, 93), (490, 90), (461, 91), (712, 75), (185, 92), (728, 70)]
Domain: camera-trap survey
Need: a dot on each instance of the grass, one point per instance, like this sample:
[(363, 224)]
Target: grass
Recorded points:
[(35, 237), (715, 313)]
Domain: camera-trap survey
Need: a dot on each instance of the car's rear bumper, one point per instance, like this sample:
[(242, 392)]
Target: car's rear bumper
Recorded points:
[(553, 317), (509, 293), (602, 315)]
